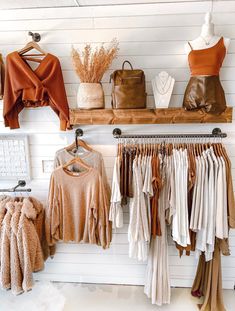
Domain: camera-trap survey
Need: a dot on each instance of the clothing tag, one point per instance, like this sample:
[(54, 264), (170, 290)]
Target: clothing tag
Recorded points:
[(76, 173), (78, 152)]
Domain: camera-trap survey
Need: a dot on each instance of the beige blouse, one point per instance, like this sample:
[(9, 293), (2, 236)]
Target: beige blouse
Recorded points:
[(77, 209)]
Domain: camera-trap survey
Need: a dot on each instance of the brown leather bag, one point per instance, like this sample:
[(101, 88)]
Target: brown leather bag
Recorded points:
[(128, 91)]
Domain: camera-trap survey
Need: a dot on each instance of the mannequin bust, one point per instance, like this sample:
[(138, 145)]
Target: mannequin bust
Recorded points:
[(163, 85), (207, 38)]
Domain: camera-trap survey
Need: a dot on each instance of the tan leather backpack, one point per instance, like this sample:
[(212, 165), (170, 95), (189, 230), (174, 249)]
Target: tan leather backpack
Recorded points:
[(128, 90)]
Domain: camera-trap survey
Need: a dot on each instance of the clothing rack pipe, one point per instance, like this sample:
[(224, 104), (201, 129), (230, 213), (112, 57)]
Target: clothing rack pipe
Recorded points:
[(117, 133), (21, 183)]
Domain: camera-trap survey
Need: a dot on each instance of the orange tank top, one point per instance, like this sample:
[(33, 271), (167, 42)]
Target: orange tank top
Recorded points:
[(207, 62)]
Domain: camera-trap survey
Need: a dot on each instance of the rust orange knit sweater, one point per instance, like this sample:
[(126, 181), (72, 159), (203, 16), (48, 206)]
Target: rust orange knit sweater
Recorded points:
[(25, 87)]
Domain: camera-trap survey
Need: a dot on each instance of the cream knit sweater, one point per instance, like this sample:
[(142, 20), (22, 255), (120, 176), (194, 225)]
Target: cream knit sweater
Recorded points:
[(77, 208)]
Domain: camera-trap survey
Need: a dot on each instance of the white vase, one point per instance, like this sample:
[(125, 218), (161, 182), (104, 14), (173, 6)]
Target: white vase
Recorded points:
[(90, 96)]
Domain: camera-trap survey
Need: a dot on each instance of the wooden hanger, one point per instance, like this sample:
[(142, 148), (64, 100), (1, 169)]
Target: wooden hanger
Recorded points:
[(30, 46), (225, 156), (214, 145), (219, 146), (80, 143), (78, 161), (119, 150)]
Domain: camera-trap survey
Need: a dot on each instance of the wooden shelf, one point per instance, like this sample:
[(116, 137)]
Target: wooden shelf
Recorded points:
[(146, 116)]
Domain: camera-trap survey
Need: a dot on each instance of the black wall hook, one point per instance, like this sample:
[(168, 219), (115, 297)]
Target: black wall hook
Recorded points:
[(117, 132), (36, 37), (78, 133)]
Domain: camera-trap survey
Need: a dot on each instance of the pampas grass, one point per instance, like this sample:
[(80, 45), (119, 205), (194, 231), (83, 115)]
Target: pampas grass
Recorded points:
[(89, 65)]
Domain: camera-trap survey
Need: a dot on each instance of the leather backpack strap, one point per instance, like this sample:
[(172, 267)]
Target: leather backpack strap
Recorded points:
[(126, 61)]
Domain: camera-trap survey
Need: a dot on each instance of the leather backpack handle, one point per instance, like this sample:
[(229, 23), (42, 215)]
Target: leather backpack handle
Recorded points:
[(126, 61)]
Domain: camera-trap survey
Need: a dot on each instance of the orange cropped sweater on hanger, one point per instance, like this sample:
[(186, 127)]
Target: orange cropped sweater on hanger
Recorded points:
[(25, 87)]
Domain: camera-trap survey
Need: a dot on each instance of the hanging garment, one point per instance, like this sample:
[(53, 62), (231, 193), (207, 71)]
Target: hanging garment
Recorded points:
[(2, 77), (191, 183), (204, 89), (230, 193), (221, 211), (210, 235), (157, 184), (92, 158), (201, 243), (116, 210), (157, 280), (15, 268), (5, 273), (138, 230), (25, 87), (179, 198), (21, 250), (29, 247), (208, 282), (148, 189), (77, 208), (3, 211)]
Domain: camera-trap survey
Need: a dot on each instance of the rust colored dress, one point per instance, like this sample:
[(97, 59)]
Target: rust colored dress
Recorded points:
[(157, 185)]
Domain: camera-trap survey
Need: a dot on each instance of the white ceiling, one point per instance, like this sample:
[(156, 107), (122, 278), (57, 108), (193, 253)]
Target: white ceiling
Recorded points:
[(25, 4)]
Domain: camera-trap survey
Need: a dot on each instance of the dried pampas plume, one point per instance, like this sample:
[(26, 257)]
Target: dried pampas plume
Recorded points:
[(90, 66)]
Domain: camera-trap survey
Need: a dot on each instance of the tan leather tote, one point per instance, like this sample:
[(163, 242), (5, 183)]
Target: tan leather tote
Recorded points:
[(128, 90)]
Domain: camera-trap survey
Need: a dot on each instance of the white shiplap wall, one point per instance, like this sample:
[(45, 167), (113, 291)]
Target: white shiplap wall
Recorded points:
[(152, 37)]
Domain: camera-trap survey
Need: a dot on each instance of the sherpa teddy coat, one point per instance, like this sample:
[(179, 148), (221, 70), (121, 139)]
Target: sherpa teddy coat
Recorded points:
[(16, 272), (21, 236), (29, 247), (3, 200), (5, 274)]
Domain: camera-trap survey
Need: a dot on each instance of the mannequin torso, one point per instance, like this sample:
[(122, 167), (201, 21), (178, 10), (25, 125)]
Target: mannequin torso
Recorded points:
[(205, 58), (207, 38)]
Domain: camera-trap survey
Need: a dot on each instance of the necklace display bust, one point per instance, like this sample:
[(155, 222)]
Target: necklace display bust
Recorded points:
[(163, 85)]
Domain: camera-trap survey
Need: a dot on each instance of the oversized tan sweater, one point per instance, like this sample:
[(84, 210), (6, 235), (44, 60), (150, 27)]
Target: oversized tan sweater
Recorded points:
[(92, 158), (77, 209)]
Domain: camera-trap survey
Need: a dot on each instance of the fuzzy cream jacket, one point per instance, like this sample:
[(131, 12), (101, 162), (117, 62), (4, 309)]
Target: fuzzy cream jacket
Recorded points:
[(15, 268), (22, 243), (29, 247), (5, 275)]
